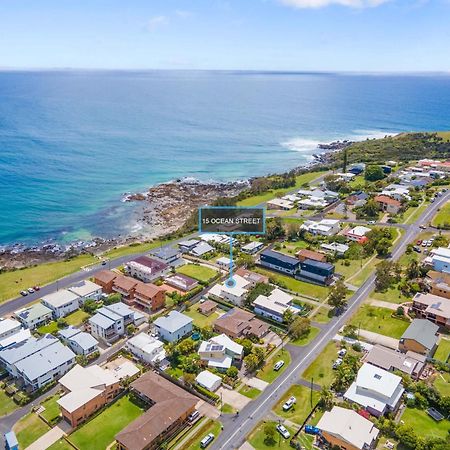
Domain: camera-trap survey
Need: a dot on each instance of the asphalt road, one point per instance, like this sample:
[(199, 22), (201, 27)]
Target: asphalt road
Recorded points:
[(236, 430)]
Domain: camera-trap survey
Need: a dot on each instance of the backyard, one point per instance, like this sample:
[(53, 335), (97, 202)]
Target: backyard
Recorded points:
[(98, 433), (267, 373), (75, 319), (420, 420), (392, 295), (200, 320), (442, 383), (378, 320), (443, 350), (29, 429), (51, 412), (257, 439), (61, 444), (200, 273)]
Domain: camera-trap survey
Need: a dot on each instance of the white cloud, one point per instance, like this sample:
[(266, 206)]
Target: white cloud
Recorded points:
[(325, 3), (182, 13), (156, 22)]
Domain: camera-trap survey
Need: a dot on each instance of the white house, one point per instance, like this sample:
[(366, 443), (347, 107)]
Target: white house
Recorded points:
[(357, 234), (312, 203), (208, 380), (80, 342), (9, 327), (377, 390), (86, 289), (233, 294), (335, 247), (324, 227), (201, 249), (397, 191), (220, 352), (275, 305), (174, 326), (61, 302), (34, 316), (440, 259), (146, 348), (279, 203), (252, 247), (224, 263)]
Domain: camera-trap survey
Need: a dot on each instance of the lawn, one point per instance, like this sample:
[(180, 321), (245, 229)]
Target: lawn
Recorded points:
[(200, 273), (392, 295), (412, 214), (75, 319), (11, 283), (228, 409), (301, 287), (62, 444), (7, 405), (442, 217), (210, 426), (442, 383), (352, 268), (420, 420), (267, 373), (361, 276), (299, 182), (51, 408), (305, 340), (249, 391), (378, 320), (445, 135), (200, 320), (29, 429), (291, 248), (257, 439), (99, 432), (51, 328), (299, 412), (443, 350), (135, 248), (323, 315), (320, 370)]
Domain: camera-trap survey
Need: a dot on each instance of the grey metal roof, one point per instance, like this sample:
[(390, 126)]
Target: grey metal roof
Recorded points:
[(423, 331), (68, 332), (24, 349), (173, 322), (101, 321), (118, 308), (84, 340)]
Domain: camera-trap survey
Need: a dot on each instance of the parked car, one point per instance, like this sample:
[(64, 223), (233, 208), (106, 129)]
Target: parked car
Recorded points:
[(23, 293), (278, 365), (311, 430), (342, 352), (193, 416), (424, 243), (416, 248), (337, 363), (290, 402), (36, 288), (283, 431), (371, 222), (429, 243), (30, 290), (206, 440), (419, 242)]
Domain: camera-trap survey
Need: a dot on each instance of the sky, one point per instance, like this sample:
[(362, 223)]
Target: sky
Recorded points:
[(279, 35)]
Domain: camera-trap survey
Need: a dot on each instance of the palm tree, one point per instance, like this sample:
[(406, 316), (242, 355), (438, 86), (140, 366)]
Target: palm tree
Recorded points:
[(326, 398)]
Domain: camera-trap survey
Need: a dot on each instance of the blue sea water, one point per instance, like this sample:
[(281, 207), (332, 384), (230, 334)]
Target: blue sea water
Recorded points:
[(72, 142)]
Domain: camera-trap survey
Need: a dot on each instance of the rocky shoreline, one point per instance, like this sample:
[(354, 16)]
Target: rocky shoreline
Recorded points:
[(162, 209)]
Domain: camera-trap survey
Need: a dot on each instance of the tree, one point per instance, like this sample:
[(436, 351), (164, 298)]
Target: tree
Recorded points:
[(270, 431), (413, 270), (326, 398), (383, 247), (374, 173), (292, 231), (338, 294), (245, 261), (232, 372), (247, 344), (385, 275), (191, 363), (81, 360), (131, 329), (300, 327), (61, 322), (370, 209), (112, 298), (189, 378), (259, 289), (260, 354), (274, 229), (251, 363), (288, 316), (89, 306)]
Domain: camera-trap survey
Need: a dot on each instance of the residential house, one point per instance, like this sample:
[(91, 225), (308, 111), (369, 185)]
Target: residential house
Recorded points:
[(207, 308), (168, 255), (233, 294), (9, 327), (252, 247), (181, 282), (87, 389), (252, 277), (208, 380), (61, 303), (149, 297), (440, 259), (346, 429), (146, 348), (385, 358), (357, 169), (274, 305), (16, 338), (388, 204), (201, 249), (34, 316), (224, 263), (80, 342), (85, 290), (377, 390), (439, 283), (397, 191), (348, 176), (37, 362), (188, 246), (170, 407), (324, 227), (315, 272), (279, 262), (357, 199), (420, 337), (312, 203), (174, 326), (220, 352), (147, 269), (432, 307), (279, 203), (237, 323), (358, 234), (105, 279), (335, 247), (125, 286), (304, 254)]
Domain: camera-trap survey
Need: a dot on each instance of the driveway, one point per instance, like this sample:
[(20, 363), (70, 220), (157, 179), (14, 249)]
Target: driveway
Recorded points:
[(233, 398), (208, 410), (375, 338), (255, 383), (47, 439), (272, 338)]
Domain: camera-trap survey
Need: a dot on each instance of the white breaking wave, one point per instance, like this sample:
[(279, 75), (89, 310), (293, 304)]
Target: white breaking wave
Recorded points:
[(301, 145)]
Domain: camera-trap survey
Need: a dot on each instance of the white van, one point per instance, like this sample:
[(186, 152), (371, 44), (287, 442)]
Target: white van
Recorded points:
[(206, 440), (278, 366)]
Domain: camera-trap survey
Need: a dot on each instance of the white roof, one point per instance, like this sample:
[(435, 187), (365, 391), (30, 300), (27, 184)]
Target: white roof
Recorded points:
[(281, 202), (280, 297), (74, 400), (335, 246), (238, 290), (173, 321), (252, 245), (84, 287), (87, 377), (146, 343), (60, 298), (208, 379), (444, 252), (127, 369), (223, 260), (360, 230), (202, 248), (8, 325), (16, 338), (228, 343), (377, 380), (349, 426)]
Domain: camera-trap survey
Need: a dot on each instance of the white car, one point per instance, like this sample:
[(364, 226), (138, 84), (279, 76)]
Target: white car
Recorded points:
[(342, 352), (290, 402), (337, 363), (206, 440), (278, 365), (282, 430)]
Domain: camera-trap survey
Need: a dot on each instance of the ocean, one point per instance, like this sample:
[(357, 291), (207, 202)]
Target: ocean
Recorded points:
[(72, 142)]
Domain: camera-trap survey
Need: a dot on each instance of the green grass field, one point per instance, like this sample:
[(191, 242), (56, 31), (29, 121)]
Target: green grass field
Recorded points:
[(444, 135), (442, 383), (323, 315), (300, 180), (301, 287), (320, 370), (299, 412), (135, 248), (413, 214), (51, 408), (99, 432), (257, 439), (378, 320), (75, 319), (443, 350), (442, 217), (200, 273), (249, 391), (351, 269), (7, 405), (11, 283), (200, 320), (210, 426), (305, 340), (62, 444), (267, 373), (29, 429), (392, 295), (420, 420), (362, 274)]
